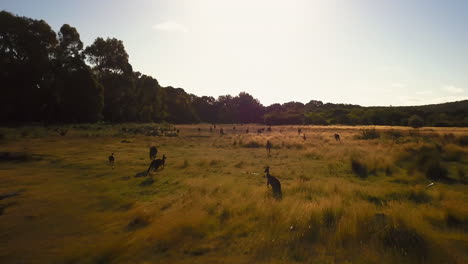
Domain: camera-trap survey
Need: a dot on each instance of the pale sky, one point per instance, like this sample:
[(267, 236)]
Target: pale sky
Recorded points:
[(367, 52)]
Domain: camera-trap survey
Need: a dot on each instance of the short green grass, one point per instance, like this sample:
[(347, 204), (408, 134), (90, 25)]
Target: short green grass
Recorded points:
[(360, 200)]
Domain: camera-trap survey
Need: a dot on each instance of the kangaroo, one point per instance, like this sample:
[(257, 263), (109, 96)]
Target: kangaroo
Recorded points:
[(268, 147), (275, 184), (61, 131), (112, 160), (155, 164), (152, 153), (337, 137)]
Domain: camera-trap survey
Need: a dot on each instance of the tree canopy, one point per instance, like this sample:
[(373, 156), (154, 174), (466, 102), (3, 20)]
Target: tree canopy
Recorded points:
[(51, 77)]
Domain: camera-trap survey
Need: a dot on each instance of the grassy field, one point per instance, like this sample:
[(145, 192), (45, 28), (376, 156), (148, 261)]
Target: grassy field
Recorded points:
[(359, 200)]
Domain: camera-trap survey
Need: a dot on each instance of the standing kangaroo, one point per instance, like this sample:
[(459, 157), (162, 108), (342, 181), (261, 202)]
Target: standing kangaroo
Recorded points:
[(155, 164), (112, 160), (275, 184), (337, 137), (152, 153), (268, 147)]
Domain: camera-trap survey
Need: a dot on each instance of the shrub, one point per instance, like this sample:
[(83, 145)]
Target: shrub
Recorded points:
[(369, 134), (456, 219), (419, 196), (463, 140), (415, 121), (427, 160), (252, 144), (359, 168), (331, 217), (435, 171), (393, 134), (404, 241)]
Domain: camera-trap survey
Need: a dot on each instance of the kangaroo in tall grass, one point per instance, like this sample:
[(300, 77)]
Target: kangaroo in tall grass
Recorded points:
[(155, 164), (268, 147), (152, 152), (337, 137), (275, 184), (112, 160)]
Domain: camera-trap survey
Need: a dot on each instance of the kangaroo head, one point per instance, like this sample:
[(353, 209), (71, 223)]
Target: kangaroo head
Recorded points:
[(267, 169), (164, 157)]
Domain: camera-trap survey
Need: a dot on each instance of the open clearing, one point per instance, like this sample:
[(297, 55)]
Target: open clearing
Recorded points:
[(359, 200)]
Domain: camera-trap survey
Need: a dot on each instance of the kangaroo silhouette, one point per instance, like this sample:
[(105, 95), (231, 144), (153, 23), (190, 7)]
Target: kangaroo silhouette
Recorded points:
[(61, 131), (112, 160), (152, 152), (155, 164), (275, 184), (337, 137), (268, 147)]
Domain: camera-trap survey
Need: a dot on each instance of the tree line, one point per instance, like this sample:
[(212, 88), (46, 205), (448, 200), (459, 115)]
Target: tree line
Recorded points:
[(50, 77)]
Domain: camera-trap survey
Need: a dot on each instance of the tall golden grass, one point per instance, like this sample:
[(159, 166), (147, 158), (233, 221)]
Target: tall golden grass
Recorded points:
[(351, 201)]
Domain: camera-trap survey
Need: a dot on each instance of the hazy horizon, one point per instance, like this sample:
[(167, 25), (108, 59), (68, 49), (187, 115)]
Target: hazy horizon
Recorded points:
[(356, 52)]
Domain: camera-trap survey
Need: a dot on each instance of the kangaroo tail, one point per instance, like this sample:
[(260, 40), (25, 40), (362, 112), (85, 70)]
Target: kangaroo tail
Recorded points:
[(148, 169)]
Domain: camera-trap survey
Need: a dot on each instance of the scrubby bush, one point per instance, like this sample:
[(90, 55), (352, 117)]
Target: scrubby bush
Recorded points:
[(252, 144), (415, 121), (369, 134), (393, 134), (435, 171), (359, 168), (404, 241), (427, 160)]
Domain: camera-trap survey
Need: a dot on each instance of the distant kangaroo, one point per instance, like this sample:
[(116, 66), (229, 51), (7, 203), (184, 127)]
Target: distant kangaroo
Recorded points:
[(152, 153), (275, 184), (337, 137), (112, 160), (61, 131), (155, 164), (268, 147)]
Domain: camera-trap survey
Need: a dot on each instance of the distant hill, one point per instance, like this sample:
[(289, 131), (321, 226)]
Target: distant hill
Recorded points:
[(315, 112)]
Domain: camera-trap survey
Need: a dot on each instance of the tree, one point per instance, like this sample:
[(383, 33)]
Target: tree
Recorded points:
[(179, 106), (110, 62), (108, 56), (150, 99), (26, 46), (206, 108), (77, 94), (415, 121), (249, 109)]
